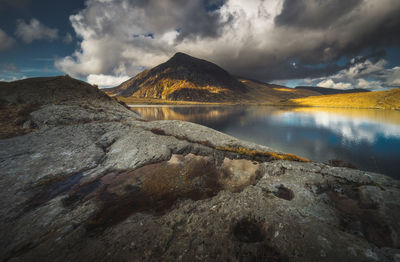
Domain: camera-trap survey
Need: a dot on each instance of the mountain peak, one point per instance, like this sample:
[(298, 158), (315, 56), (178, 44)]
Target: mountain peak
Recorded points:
[(182, 59), (180, 54), (183, 77)]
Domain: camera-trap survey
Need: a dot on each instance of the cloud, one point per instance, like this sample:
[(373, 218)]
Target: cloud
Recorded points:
[(34, 30), (13, 78), (255, 38), (106, 80), (121, 36), (329, 83), (5, 41), (314, 13), (67, 38), (391, 77), (372, 85), (361, 72)]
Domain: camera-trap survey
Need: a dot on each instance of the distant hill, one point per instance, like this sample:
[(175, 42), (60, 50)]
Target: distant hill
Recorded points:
[(183, 77), (260, 92), (331, 91), (381, 99), (189, 79)]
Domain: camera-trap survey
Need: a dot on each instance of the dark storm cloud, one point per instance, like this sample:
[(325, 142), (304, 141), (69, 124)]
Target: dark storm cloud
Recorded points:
[(336, 15), (314, 13), (285, 70), (289, 71), (202, 20)]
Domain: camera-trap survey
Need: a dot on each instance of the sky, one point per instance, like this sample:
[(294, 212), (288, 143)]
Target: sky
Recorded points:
[(328, 43)]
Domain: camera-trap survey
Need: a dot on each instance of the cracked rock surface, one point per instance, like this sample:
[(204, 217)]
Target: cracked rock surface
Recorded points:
[(94, 182)]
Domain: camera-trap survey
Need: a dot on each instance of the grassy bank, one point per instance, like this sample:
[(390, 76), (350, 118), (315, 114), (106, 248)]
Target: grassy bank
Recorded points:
[(152, 101), (377, 100)]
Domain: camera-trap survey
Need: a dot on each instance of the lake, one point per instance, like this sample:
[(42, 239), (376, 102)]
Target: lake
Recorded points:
[(365, 138)]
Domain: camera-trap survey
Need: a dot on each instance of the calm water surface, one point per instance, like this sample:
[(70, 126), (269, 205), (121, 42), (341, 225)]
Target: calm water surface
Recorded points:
[(368, 139)]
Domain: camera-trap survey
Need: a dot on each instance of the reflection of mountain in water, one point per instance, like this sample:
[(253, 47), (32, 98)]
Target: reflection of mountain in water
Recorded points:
[(206, 115), (194, 114)]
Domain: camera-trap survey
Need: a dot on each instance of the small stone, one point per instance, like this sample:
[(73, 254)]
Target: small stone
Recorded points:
[(370, 254)]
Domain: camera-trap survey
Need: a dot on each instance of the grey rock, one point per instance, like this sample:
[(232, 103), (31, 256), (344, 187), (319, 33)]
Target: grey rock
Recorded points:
[(97, 183)]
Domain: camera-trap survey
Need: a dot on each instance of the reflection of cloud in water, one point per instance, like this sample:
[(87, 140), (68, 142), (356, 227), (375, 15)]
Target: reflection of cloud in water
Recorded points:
[(350, 128)]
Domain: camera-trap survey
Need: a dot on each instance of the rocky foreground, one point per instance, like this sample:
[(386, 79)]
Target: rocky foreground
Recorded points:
[(89, 180)]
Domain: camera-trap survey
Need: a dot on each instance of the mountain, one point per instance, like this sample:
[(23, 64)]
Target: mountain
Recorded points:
[(389, 99), (331, 91), (183, 77), (189, 79)]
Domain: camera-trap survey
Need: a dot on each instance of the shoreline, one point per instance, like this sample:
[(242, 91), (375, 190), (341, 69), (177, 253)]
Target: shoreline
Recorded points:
[(184, 104)]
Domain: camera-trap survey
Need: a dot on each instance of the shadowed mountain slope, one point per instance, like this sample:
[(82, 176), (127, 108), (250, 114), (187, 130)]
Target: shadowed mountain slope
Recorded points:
[(331, 91), (265, 93)]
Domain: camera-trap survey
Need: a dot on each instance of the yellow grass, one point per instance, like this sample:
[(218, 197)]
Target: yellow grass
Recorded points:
[(285, 89), (382, 100), (270, 155)]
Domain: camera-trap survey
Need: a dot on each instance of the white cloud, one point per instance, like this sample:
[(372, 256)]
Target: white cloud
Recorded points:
[(34, 30), (106, 80), (392, 76), (13, 78), (372, 85), (329, 83), (362, 69), (363, 74), (5, 41)]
